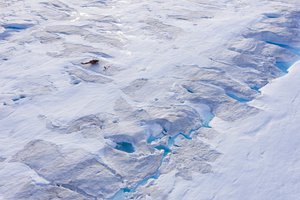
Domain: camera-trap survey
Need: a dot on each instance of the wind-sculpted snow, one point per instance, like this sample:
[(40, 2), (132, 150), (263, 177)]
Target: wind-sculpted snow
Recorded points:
[(109, 130), (74, 170)]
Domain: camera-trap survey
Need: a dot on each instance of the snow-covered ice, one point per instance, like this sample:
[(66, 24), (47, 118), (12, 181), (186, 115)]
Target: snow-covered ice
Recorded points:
[(189, 100), (260, 155)]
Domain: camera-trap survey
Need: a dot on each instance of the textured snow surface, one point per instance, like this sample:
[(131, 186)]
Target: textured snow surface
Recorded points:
[(178, 107), (260, 154)]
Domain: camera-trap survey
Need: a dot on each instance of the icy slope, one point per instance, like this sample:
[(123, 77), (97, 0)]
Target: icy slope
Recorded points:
[(107, 131), (260, 154)]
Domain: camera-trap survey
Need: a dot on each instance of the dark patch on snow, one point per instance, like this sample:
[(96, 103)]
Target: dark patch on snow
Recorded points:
[(285, 46), (236, 97), (17, 98), (188, 89), (10, 28), (125, 146), (16, 27), (272, 15)]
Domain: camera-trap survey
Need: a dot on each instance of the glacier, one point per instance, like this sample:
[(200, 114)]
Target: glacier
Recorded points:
[(188, 100)]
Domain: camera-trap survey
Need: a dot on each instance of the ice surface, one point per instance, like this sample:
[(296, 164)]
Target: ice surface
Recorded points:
[(153, 118), (259, 155)]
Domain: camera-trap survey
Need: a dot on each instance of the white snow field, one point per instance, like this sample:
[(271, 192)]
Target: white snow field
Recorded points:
[(190, 100)]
